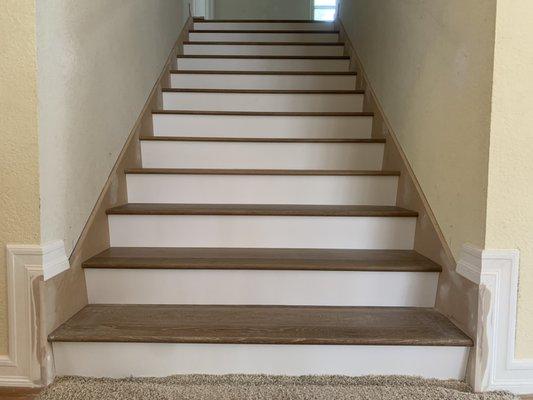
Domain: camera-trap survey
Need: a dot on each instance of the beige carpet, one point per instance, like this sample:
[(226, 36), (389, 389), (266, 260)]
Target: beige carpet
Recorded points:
[(240, 387)]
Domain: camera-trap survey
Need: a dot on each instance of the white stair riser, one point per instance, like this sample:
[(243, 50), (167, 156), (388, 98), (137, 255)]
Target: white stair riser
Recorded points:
[(262, 126), (120, 360), (262, 189), (263, 50), (262, 37), (274, 82), (262, 64), (262, 231), (326, 288), (263, 26), (262, 155), (263, 102)]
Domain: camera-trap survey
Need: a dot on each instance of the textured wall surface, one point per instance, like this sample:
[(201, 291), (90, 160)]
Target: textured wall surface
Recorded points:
[(510, 194), (430, 63), (262, 9), (19, 162), (98, 61)]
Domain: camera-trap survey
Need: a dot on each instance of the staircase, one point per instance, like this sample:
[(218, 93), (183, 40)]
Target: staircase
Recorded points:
[(261, 234)]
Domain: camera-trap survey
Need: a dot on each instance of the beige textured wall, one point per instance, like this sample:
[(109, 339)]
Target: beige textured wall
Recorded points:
[(19, 161), (510, 194), (97, 62), (262, 9), (430, 63)]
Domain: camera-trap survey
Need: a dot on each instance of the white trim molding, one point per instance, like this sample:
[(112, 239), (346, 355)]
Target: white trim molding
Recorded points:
[(469, 264), (27, 267), (55, 259), (496, 365)]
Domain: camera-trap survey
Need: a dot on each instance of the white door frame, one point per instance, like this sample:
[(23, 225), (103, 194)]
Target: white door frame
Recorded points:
[(204, 8)]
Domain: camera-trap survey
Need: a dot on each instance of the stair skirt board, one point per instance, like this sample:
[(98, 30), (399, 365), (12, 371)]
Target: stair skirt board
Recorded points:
[(372, 233), (263, 50), (269, 287), (273, 82), (265, 26), (262, 126), (262, 64), (261, 155), (262, 189), (351, 102), (119, 360), (263, 37)]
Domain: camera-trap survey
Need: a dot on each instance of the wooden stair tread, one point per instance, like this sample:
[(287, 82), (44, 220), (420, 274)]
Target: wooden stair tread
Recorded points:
[(260, 209), (261, 325), (322, 31), (261, 259), (259, 21), (264, 57), (259, 140), (262, 91), (267, 113), (296, 172), (226, 72), (265, 43)]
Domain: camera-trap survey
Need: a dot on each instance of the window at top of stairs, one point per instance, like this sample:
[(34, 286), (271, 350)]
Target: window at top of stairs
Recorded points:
[(324, 10)]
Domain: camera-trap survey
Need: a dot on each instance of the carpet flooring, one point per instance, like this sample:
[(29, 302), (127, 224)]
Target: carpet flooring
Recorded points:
[(241, 387)]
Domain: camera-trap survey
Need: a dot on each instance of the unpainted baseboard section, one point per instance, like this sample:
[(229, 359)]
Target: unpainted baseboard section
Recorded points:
[(66, 293), (496, 365)]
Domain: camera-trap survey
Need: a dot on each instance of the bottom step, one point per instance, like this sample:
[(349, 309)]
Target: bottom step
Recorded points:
[(155, 340)]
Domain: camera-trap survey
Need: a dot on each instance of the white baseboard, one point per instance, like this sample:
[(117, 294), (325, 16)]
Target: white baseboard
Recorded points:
[(26, 266), (496, 365), (469, 264), (55, 259)]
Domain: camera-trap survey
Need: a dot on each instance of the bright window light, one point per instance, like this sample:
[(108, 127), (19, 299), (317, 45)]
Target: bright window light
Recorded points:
[(325, 3), (324, 10)]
